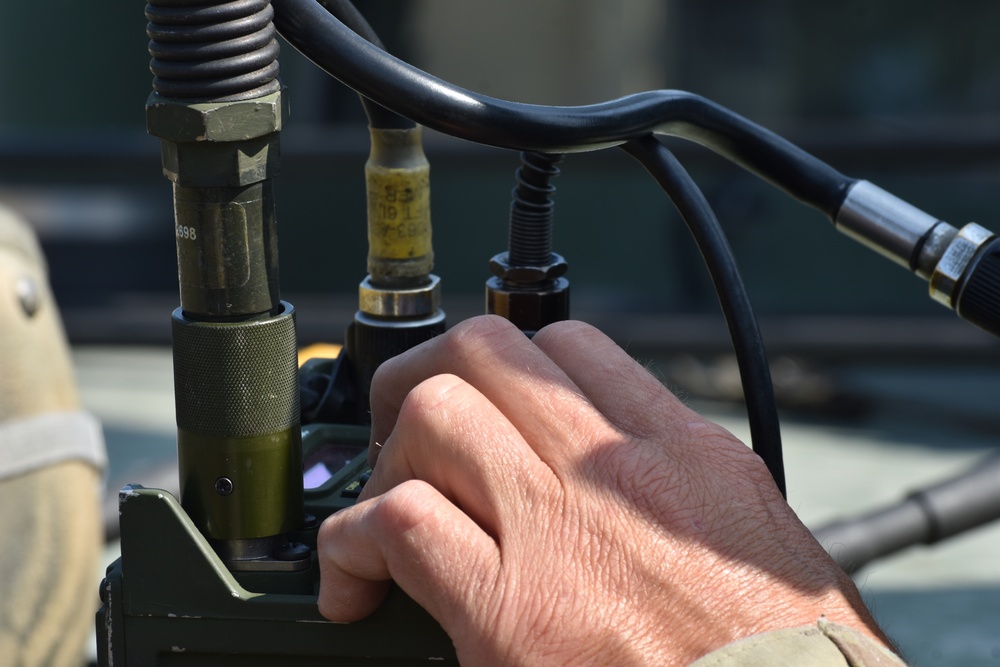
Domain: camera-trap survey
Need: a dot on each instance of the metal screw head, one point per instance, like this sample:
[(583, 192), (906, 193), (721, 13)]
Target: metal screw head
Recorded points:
[(293, 551), (223, 486), (28, 295)]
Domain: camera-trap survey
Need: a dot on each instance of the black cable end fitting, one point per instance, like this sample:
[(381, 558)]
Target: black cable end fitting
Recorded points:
[(370, 342), (529, 289), (529, 296), (978, 299)]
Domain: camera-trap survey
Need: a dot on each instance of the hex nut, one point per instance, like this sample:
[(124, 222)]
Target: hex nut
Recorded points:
[(502, 269), (181, 122), (948, 273), (529, 309), (228, 164)]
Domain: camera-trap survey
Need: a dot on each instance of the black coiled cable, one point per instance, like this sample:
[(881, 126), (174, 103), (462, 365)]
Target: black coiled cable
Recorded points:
[(530, 242), (220, 52)]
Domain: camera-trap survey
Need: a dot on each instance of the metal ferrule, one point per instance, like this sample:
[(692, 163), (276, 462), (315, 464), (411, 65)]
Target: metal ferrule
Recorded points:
[(955, 260), (885, 223), (411, 303), (397, 184)]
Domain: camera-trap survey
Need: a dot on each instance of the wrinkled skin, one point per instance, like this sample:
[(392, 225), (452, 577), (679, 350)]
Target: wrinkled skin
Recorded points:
[(549, 502)]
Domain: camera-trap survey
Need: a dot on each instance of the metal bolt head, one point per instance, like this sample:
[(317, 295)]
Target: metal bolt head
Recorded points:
[(224, 486), (293, 551)]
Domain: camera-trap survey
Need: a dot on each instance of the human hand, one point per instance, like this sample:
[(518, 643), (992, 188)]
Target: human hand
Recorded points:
[(549, 502)]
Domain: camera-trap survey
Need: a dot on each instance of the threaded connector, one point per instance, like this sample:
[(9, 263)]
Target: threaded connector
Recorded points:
[(532, 210), (529, 289), (221, 52)]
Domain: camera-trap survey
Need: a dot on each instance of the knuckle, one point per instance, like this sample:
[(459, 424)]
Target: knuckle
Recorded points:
[(470, 336), (429, 399), (404, 507), (569, 332)]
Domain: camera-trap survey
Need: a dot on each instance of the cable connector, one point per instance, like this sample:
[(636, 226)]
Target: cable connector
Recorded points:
[(397, 179), (976, 259), (888, 225), (399, 299), (962, 265), (529, 296), (529, 289)]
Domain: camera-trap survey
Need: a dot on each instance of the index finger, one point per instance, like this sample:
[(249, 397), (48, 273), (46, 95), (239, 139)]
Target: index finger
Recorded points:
[(619, 386), (496, 358)]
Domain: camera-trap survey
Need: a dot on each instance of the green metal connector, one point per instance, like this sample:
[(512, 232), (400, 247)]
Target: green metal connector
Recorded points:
[(217, 144)]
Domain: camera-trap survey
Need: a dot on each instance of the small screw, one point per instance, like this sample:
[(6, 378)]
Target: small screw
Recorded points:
[(223, 486), (293, 551), (27, 294)]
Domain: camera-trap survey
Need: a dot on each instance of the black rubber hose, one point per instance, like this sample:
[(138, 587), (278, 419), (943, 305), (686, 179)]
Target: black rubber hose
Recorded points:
[(758, 391), (378, 116), (453, 110), (950, 507)]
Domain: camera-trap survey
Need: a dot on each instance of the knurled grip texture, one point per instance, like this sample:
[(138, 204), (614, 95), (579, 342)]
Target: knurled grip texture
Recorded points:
[(979, 296), (236, 379), (370, 343)]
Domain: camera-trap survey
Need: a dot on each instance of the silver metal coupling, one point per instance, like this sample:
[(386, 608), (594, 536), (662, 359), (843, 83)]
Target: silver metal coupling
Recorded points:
[(886, 223), (397, 302), (955, 261)]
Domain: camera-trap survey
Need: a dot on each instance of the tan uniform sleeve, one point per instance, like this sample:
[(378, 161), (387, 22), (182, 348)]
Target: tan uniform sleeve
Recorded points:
[(822, 645)]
